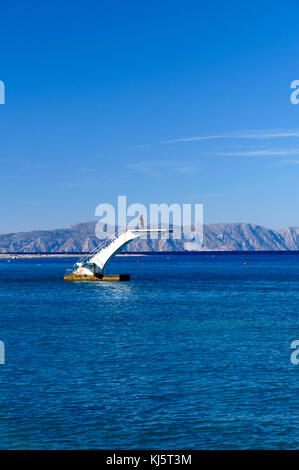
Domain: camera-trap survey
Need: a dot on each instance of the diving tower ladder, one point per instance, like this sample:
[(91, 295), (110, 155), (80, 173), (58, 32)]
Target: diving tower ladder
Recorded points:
[(94, 264)]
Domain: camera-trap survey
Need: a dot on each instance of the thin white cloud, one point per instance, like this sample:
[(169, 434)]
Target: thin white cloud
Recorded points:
[(261, 153), (141, 147), (147, 168), (245, 134), (287, 162), (157, 168)]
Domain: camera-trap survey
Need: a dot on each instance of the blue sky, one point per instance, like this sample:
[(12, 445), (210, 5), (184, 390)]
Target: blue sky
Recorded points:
[(162, 101)]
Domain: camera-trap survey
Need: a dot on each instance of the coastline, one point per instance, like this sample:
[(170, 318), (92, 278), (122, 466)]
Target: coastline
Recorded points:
[(150, 253), (57, 255)]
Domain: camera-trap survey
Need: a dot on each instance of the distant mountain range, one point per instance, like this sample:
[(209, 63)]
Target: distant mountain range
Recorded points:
[(81, 238)]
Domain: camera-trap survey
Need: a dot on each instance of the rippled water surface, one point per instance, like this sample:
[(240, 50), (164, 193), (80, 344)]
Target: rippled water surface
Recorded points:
[(192, 353)]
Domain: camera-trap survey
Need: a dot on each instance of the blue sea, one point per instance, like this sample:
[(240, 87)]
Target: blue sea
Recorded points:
[(192, 353)]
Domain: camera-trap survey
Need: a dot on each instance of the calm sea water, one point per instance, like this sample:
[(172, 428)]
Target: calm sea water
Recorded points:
[(192, 353)]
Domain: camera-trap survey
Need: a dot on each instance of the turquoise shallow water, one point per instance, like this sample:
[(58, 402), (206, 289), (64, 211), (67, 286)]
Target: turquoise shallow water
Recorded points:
[(193, 352)]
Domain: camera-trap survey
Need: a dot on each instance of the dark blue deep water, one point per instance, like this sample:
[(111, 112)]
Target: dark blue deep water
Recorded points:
[(192, 353)]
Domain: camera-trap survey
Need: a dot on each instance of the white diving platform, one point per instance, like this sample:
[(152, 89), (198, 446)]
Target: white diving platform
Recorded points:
[(94, 264)]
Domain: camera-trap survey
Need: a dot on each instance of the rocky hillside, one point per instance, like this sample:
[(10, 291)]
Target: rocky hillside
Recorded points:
[(82, 238)]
